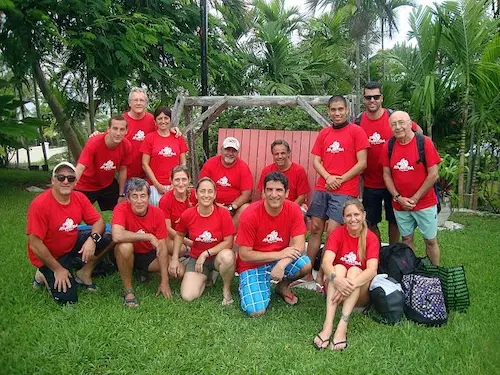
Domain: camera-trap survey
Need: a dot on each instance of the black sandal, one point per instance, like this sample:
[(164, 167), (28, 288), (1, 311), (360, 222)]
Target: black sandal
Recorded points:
[(321, 347), (130, 302)]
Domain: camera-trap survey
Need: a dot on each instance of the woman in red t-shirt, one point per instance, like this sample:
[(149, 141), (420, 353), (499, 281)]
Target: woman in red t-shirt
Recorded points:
[(173, 204), (350, 262), (161, 152), (211, 231)]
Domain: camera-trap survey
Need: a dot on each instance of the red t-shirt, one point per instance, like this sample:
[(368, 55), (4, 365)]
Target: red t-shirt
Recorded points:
[(263, 232), (205, 232), (345, 248), (230, 181), (165, 154), (379, 132), (407, 174), (136, 134), (56, 224), (101, 163), (337, 149), (297, 179), (172, 208), (153, 222)]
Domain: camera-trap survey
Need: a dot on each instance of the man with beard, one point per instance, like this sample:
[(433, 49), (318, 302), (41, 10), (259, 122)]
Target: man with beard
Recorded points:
[(232, 176)]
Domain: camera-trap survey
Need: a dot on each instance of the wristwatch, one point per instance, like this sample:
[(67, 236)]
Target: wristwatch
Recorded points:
[(96, 237), (396, 197), (122, 195), (231, 209)]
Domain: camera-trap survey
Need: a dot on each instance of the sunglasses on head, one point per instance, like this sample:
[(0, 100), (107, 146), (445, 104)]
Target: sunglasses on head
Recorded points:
[(62, 177), (370, 97)]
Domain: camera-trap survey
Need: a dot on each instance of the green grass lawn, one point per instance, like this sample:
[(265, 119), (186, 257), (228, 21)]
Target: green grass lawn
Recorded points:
[(99, 336)]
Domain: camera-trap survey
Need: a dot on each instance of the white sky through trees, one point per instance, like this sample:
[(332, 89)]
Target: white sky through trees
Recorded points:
[(402, 18)]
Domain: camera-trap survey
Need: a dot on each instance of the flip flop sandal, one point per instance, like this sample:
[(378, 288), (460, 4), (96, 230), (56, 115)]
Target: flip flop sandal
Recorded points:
[(334, 344), (130, 302), (227, 302), (90, 287), (290, 299), (320, 346), (37, 285)]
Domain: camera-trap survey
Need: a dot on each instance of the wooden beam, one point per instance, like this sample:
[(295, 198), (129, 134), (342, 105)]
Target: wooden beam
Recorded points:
[(210, 111), (254, 101), (210, 119), (312, 112), (177, 110)]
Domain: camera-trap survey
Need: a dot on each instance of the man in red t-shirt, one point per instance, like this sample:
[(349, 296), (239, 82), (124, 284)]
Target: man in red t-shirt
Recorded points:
[(296, 174), (54, 239), (271, 240), (375, 122), (339, 158), (232, 177), (140, 233), (102, 157), (410, 182)]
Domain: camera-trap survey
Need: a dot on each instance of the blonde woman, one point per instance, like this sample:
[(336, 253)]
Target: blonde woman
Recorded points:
[(350, 263)]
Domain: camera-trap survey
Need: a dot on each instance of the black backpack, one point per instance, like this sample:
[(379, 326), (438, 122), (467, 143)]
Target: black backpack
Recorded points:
[(386, 299), (421, 159), (398, 260)]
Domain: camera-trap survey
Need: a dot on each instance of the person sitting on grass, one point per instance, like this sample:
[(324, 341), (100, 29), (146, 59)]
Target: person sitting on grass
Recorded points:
[(139, 230), (271, 240), (54, 239), (350, 262), (173, 204), (211, 229)]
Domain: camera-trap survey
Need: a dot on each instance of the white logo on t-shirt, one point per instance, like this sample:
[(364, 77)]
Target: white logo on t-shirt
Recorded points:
[(350, 259), (206, 237), (141, 231), (109, 165), (68, 225), (223, 181), (167, 152), (139, 136), (403, 165), (375, 139), (272, 237), (335, 148)]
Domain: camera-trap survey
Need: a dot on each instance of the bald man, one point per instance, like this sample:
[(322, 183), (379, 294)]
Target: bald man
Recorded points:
[(410, 181)]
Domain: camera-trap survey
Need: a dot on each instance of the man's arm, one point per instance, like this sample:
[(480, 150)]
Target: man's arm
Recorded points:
[(430, 180), (61, 274), (88, 247), (297, 242), (122, 179), (301, 199), (247, 254), (358, 167), (245, 197), (120, 234), (405, 202), (80, 168)]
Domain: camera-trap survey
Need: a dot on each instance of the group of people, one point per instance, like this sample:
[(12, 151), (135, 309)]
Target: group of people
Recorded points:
[(163, 224)]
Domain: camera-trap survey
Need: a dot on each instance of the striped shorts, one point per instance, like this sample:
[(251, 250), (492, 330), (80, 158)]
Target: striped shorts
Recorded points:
[(255, 284)]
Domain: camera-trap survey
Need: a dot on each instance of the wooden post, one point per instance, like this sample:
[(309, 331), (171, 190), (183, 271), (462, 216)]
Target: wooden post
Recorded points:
[(312, 112), (209, 112), (177, 110)]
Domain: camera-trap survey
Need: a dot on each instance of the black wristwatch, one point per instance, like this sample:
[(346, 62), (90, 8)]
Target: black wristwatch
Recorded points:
[(96, 237), (231, 209), (121, 195)]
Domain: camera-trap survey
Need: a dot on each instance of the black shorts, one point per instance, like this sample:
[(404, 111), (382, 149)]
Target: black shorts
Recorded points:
[(107, 198), (67, 261), (143, 260), (372, 200)]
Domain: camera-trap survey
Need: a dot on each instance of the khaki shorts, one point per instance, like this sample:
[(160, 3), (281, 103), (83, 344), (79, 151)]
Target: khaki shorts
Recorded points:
[(208, 266)]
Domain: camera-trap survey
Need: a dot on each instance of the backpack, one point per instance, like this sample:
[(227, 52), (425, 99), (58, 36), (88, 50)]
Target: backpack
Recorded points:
[(424, 300), (387, 299), (421, 159), (398, 260)]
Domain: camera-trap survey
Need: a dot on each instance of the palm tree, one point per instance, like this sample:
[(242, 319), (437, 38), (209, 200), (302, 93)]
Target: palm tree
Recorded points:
[(468, 34)]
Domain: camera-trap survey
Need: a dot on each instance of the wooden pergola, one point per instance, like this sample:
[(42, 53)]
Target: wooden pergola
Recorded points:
[(217, 104)]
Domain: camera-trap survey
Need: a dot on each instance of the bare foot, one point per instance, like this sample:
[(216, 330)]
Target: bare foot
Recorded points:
[(305, 279)]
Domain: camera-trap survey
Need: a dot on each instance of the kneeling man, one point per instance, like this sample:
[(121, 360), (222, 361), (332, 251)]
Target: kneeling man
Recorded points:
[(139, 230), (54, 239), (271, 239)]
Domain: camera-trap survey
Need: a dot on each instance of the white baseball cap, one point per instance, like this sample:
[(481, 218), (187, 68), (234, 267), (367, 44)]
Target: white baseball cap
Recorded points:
[(61, 165), (231, 142)]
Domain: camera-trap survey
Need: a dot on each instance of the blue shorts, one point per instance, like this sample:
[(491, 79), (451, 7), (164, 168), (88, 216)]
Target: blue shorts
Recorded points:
[(425, 220), (255, 284), (327, 205)]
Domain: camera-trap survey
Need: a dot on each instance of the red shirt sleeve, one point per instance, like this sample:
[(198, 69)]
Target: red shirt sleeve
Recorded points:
[(127, 159), (261, 180), (318, 148), (89, 213), (183, 221), (227, 222), (302, 182), (361, 139), (160, 225), (86, 157), (299, 225), (207, 168), (183, 147), (119, 215), (384, 155), (164, 205), (36, 222), (246, 230), (246, 177), (334, 241), (147, 144)]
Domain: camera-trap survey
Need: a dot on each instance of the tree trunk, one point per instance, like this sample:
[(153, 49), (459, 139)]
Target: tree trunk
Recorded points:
[(358, 77), (368, 73), (461, 167), (474, 187), (470, 163), (90, 96), (62, 120), (40, 129), (382, 42)]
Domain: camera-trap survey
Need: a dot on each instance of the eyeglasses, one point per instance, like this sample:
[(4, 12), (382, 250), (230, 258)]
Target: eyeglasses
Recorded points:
[(62, 177), (138, 100), (370, 97), (400, 123)]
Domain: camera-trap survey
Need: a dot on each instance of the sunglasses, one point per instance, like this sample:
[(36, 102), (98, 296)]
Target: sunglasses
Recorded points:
[(370, 97), (62, 177)]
